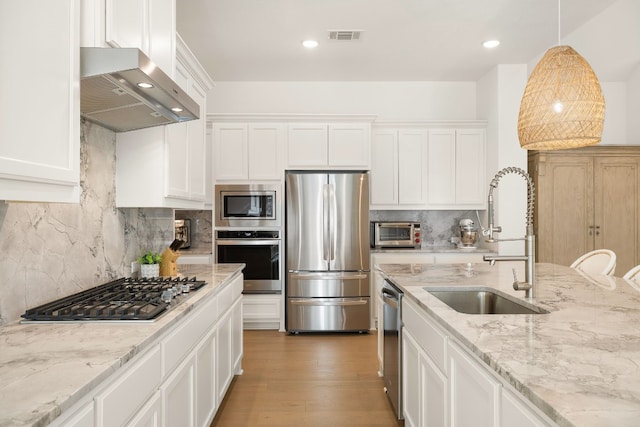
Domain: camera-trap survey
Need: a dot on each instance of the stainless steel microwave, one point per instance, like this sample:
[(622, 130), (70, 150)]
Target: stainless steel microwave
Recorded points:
[(395, 235), (247, 205)]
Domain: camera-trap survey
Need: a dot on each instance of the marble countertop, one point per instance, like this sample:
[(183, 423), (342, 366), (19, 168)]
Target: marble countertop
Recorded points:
[(434, 249), (580, 363), (46, 368)]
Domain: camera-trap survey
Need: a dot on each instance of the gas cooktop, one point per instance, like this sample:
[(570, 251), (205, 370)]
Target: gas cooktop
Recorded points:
[(124, 299)]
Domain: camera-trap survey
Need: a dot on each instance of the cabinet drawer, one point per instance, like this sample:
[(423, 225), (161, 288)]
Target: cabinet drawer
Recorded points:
[(126, 395), (182, 339), (430, 337)]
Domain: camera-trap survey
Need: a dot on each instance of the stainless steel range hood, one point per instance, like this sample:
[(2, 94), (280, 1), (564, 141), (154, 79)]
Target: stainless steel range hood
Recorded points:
[(112, 96)]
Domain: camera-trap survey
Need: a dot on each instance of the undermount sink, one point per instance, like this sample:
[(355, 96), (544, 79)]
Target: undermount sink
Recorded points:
[(482, 301)]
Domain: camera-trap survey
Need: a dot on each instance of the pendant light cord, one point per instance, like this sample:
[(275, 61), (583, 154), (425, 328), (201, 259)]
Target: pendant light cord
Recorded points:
[(559, 22)]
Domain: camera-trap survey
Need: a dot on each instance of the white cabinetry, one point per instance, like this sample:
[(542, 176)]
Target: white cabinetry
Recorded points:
[(164, 166), (456, 169), (321, 145), (262, 312), (181, 379), (398, 169), (426, 166), (445, 384), (40, 131), (248, 151), (149, 25)]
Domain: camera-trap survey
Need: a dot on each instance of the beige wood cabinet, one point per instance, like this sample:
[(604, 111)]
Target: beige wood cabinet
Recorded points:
[(587, 199)]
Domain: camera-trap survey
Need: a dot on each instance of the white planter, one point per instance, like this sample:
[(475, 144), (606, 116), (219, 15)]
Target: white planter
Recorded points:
[(149, 270)]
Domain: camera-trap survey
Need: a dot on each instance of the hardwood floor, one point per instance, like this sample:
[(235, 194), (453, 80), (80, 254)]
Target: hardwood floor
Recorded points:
[(307, 380)]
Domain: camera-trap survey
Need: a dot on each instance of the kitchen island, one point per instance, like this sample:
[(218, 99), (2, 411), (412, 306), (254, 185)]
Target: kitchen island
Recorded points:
[(577, 364), (51, 371)]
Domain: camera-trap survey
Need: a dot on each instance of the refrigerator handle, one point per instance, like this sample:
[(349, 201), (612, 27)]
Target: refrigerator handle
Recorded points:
[(332, 222), (325, 223)]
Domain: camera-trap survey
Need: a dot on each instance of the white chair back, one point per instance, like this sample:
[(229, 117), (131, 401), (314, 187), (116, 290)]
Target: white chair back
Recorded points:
[(600, 261), (633, 274)]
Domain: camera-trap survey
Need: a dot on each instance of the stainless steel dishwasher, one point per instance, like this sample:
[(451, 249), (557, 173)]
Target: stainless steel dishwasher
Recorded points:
[(392, 344)]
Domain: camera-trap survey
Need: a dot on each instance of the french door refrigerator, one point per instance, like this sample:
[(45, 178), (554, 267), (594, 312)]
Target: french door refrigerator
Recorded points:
[(327, 251)]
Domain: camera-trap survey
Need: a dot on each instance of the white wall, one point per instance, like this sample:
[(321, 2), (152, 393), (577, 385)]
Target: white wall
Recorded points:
[(633, 107), (406, 101), (499, 95)]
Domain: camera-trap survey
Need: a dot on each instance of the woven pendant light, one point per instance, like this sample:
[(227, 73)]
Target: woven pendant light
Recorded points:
[(562, 105)]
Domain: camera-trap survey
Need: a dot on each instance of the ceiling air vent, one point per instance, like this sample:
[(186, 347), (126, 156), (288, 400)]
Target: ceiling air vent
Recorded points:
[(344, 35)]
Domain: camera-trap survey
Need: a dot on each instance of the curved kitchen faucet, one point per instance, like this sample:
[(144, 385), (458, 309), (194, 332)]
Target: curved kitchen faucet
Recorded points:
[(529, 238)]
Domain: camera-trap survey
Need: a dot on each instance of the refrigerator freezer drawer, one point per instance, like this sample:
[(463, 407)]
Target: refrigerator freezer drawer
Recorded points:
[(327, 314), (328, 285)]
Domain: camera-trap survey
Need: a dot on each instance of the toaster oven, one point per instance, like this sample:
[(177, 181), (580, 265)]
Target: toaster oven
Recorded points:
[(395, 235)]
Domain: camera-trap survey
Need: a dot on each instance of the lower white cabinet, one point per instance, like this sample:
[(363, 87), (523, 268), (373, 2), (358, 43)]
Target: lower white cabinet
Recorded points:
[(444, 384), (178, 395), (262, 312), (179, 380)]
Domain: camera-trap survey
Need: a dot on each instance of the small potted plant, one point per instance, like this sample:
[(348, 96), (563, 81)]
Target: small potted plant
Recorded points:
[(150, 264)]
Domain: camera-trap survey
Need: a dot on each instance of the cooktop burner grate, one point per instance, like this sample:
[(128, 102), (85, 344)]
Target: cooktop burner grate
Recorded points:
[(120, 299)]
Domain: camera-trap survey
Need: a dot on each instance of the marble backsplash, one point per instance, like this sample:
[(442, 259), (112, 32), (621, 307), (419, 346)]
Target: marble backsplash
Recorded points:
[(51, 250), (437, 226), (201, 228)]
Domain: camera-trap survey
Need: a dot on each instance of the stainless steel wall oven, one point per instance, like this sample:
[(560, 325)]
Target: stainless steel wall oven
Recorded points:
[(260, 250)]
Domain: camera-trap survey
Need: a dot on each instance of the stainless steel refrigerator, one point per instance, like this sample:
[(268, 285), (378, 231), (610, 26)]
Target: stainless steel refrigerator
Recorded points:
[(327, 251)]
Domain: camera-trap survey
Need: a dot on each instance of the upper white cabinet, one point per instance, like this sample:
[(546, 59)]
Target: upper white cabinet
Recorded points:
[(322, 145), (456, 169), (40, 163), (248, 151), (398, 168), (165, 166), (426, 166), (148, 25)]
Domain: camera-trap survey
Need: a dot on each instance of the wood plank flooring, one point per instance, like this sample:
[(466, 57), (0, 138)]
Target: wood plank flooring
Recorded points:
[(307, 380)]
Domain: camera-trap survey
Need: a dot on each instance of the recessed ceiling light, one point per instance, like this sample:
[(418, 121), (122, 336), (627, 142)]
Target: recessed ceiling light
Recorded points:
[(144, 85), (490, 44), (310, 44), (176, 109)]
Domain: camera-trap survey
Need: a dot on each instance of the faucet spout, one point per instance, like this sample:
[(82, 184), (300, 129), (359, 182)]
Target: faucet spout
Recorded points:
[(529, 256)]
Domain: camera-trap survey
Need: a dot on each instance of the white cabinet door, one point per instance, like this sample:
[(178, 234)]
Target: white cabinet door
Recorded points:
[(81, 418), (266, 145), (40, 162), (307, 145), (261, 311), (434, 394), (196, 135), (231, 151), (339, 145), (474, 393), (224, 355), (206, 396), (349, 145), (384, 168), (178, 400), (441, 166), (412, 173), (236, 337), (151, 413), (177, 149), (456, 168), (148, 25), (471, 181), (411, 381)]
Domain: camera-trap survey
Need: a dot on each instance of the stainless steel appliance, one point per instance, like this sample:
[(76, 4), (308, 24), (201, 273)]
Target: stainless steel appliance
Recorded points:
[(183, 232), (259, 250), (327, 228), (392, 345), (247, 205), (124, 299), (468, 233), (385, 234)]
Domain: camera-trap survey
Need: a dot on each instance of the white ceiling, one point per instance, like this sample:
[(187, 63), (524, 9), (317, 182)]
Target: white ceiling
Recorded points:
[(402, 40)]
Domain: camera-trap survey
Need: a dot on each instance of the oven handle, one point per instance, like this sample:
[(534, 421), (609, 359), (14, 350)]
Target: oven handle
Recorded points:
[(328, 301), (245, 242)]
